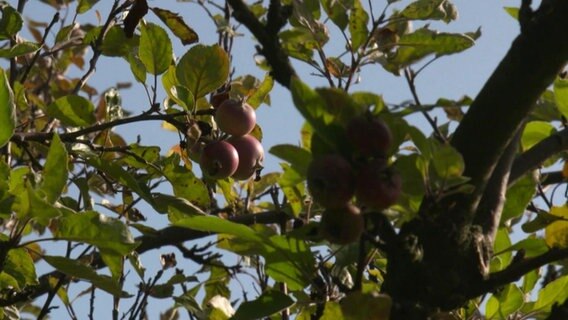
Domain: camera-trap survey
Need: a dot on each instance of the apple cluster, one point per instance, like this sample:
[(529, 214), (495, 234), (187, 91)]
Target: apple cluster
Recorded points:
[(241, 155), (335, 180)]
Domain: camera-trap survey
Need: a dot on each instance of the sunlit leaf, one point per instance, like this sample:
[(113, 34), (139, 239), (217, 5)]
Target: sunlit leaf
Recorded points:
[(298, 157), (185, 184), (85, 5), (430, 10), (203, 69), (556, 233), (76, 269), (116, 44), (176, 24), (518, 197), (10, 23), (73, 110), (447, 161), (554, 292), (536, 131), (7, 110), (20, 266), (337, 11), (155, 50), (55, 170), (19, 49), (358, 20)]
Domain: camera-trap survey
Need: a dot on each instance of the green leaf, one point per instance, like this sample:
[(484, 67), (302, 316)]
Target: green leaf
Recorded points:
[(186, 185), (536, 131), (110, 235), (165, 203), (414, 46), (513, 12), (291, 261), (337, 11), (39, 209), (85, 5), (176, 24), (11, 22), (502, 243), (532, 247), (55, 170), (332, 311), (116, 44), (203, 69), (76, 269), (430, 10), (511, 299), (518, 197), (137, 67), (217, 284), (447, 161), (358, 20), (555, 292), (7, 110), (218, 225), (73, 110), (542, 220), (20, 266), (260, 94), (155, 49), (19, 49), (298, 157), (561, 95), (268, 303)]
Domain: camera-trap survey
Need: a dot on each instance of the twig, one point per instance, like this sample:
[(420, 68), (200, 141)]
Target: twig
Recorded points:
[(37, 54)]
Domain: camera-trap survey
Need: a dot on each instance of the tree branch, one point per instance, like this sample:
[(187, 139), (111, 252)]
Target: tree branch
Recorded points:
[(267, 35), (534, 60), (539, 153)]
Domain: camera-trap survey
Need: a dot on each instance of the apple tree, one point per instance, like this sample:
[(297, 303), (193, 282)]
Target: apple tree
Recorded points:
[(371, 216)]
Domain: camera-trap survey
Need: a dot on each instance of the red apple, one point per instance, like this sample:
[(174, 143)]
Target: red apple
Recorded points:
[(219, 160), (378, 186), (342, 225), (369, 136), (331, 180), (236, 118), (251, 155)]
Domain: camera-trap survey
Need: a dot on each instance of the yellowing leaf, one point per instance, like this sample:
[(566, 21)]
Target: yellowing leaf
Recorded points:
[(556, 234)]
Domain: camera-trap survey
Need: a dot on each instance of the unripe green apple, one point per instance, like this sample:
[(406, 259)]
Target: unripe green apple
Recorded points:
[(342, 225), (219, 160), (236, 118), (251, 156), (331, 180)]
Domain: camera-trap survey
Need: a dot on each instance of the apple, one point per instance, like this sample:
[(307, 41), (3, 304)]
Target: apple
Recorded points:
[(369, 136), (219, 160), (331, 180), (342, 225), (236, 118), (378, 186), (251, 155)]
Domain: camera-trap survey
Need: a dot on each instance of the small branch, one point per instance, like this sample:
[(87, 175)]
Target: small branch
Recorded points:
[(267, 35), (516, 270), (54, 20), (538, 154)]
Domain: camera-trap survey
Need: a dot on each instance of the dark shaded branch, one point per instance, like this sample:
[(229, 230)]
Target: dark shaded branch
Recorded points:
[(488, 214), (538, 154), (267, 35), (534, 60), (516, 270), (554, 177)]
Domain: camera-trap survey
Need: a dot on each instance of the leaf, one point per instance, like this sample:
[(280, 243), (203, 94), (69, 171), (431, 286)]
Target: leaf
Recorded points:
[(117, 44), (19, 49), (39, 209), (268, 303), (447, 161), (337, 11), (513, 12), (532, 247), (73, 110), (534, 132), (511, 299), (76, 269), (518, 197), (137, 67), (203, 69), (176, 24), (430, 10), (359, 305), (85, 5), (555, 292), (155, 50), (260, 93), (556, 233), (414, 46), (289, 260), (55, 170), (11, 22), (167, 203), (332, 311), (542, 220), (218, 225), (20, 266), (7, 110), (110, 235), (358, 20), (298, 157), (138, 10), (561, 95), (185, 184)]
